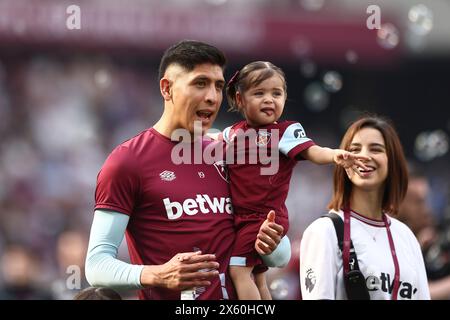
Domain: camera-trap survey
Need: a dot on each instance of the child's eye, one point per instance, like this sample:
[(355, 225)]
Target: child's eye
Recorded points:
[(277, 93), (258, 93)]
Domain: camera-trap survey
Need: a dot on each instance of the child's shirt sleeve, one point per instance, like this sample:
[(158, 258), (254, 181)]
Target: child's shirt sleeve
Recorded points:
[(293, 140)]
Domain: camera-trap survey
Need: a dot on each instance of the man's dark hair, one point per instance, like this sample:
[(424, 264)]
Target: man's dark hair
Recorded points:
[(188, 54), (92, 293)]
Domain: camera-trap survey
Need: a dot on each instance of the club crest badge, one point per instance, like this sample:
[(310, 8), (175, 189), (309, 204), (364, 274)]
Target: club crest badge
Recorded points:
[(263, 138), (222, 169)]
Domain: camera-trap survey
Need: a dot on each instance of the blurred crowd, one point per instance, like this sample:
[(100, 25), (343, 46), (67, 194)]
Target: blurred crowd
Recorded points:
[(59, 119)]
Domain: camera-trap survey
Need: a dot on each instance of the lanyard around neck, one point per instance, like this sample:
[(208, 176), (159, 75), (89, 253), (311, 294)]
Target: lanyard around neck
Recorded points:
[(346, 249), (394, 258)]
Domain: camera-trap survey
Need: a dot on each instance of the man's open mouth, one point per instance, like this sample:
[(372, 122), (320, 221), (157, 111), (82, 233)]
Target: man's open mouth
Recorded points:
[(204, 115)]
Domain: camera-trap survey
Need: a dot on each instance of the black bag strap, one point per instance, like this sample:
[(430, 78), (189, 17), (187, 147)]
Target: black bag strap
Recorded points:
[(354, 281), (339, 228)]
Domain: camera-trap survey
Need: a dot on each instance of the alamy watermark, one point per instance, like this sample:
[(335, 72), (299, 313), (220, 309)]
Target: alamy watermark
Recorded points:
[(73, 281), (73, 21), (374, 20)]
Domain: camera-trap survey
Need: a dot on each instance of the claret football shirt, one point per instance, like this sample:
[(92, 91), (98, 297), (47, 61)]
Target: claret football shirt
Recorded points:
[(253, 190), (173, 208)]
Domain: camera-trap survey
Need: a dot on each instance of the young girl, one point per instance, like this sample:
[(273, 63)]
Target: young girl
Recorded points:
[(258, 92), (388, 254)]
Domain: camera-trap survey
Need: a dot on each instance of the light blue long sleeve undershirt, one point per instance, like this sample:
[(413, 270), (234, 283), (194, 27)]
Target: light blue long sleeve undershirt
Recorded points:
[(281, 256), (103, 269)]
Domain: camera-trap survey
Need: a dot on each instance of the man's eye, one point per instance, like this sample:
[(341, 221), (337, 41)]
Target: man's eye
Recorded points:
[(201, 84)]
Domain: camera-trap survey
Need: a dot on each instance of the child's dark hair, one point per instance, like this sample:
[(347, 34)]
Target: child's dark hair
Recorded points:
[(92, 293), (246, 78), (188, 54)]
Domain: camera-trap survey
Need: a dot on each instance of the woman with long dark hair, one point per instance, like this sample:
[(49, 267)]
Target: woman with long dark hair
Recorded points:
[(386, 252)]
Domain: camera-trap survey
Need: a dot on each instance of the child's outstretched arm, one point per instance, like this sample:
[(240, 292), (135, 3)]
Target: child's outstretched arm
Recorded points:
[(323, 155)]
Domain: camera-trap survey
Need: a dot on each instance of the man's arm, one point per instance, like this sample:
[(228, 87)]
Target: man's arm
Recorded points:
[(281, 256), (104, 269)]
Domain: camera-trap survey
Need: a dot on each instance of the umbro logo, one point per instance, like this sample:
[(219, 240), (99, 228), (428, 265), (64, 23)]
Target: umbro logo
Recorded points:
[(167, 175)]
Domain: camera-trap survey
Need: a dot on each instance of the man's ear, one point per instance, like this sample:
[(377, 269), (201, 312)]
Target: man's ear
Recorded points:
[(165, 88)]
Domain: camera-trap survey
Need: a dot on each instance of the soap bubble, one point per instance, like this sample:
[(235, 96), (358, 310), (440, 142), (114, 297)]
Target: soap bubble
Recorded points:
[(315, 97), (332, 81), (420, 19), (388, 36)]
